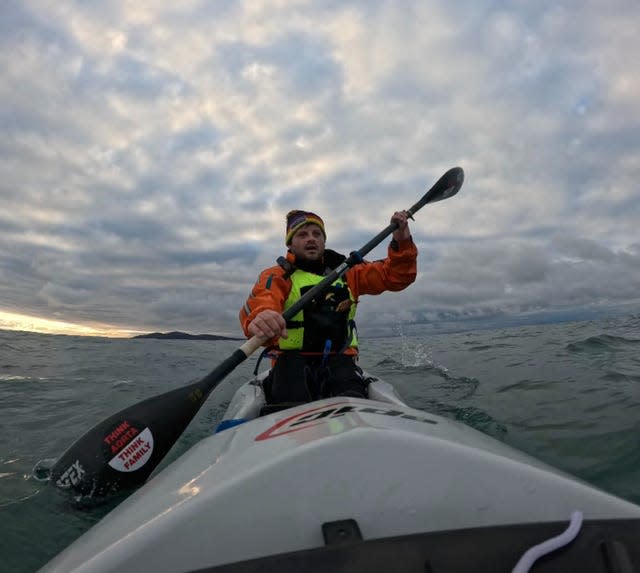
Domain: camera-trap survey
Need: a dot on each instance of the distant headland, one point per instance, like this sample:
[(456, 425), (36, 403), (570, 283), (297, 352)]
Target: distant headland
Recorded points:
[(177, 335)]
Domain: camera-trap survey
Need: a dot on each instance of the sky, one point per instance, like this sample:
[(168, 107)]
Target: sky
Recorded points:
[(150, 151)]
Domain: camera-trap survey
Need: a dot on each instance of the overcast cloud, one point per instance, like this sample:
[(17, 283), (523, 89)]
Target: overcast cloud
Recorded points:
[(150, 150)]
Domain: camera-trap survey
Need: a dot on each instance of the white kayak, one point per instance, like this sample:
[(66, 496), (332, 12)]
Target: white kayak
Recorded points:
[(347, 484)]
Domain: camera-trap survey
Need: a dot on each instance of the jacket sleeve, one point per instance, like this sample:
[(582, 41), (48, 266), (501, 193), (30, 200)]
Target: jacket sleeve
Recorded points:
[(394, 273), (270, 292)]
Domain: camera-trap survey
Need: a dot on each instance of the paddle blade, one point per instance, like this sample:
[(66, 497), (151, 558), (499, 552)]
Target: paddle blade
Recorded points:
[(447, 186), (120, 452)]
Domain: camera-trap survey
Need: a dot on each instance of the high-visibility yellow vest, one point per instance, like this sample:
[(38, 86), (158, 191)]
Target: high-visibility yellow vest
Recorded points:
[(318, 322)]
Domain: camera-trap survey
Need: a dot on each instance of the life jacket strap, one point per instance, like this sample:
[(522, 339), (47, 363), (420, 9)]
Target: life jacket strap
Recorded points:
[(289, 268), (267, 352)]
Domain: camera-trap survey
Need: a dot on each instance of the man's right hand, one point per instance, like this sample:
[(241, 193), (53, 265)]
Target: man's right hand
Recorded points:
[(268, 324)]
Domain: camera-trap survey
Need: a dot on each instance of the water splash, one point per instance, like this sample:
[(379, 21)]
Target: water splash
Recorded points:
[(414, 352), (42, 470)]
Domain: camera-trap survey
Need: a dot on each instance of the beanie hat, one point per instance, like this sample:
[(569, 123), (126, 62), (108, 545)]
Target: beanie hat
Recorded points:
[(298, 219)]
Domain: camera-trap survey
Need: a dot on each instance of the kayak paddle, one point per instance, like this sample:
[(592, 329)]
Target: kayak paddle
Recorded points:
[(120, 452)]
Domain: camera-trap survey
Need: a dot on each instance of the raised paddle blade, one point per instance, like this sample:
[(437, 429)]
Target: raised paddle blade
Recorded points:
[(447, 186)]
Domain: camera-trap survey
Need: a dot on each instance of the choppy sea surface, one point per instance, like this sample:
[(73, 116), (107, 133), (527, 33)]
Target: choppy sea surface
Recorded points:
[(568, 394)]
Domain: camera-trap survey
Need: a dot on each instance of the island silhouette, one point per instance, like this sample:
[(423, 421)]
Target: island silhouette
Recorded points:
[(178, 335)]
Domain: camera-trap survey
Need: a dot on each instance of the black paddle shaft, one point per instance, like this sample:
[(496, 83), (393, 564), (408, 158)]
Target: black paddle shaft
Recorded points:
[(122, 451)]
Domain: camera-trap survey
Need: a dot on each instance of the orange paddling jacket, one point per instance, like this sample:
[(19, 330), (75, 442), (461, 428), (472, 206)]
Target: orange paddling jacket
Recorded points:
[(394, 273)]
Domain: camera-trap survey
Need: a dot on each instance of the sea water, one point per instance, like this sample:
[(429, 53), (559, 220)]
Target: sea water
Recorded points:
[(569, 394)]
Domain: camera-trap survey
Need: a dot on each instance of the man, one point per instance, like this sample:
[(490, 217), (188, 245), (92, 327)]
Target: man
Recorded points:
[(316, 351)]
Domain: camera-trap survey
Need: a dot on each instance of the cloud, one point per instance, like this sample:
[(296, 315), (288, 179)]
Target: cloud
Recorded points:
[(149, 153)]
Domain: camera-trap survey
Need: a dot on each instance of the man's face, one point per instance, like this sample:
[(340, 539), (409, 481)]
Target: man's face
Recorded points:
[(308, 243)]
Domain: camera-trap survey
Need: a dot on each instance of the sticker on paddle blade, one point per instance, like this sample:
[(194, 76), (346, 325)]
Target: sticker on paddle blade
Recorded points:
[(129, 445), (72, 476)]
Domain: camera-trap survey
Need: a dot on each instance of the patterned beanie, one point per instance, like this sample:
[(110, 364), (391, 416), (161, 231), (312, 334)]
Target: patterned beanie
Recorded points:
[(298, 219)]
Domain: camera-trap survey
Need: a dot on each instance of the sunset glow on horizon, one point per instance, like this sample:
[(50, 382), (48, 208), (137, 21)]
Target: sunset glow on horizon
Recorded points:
[(28, 323)]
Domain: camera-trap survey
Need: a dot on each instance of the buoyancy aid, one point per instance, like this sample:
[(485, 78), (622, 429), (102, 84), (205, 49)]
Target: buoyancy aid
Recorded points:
[(329, 317)]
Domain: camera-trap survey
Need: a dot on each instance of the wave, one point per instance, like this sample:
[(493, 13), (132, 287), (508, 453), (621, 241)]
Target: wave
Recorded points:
[(476, 347), (527, 384), (607, 342), (390, 362), (18, 378), (469, 415)]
